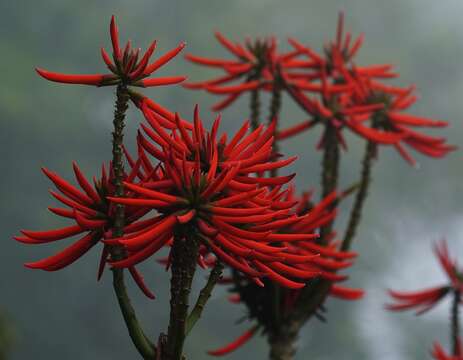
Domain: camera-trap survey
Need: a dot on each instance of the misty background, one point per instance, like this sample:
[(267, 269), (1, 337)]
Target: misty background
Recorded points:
[(68, 315)]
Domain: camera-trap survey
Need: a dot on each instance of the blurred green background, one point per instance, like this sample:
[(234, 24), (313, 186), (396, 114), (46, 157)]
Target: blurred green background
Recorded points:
[(67, 315)]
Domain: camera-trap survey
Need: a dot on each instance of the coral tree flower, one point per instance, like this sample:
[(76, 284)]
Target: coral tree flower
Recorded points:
[(92, 216), (309, 217), (425, 300), (338, 94), (439, 353), (127, 66), (205, 185), (254, 67)]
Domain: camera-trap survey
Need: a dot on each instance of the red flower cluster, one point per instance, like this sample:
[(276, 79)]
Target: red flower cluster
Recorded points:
[(439, 354), (330, 261), (92, 215), (204, 185), (127, 66), (425, 300), (256, 66), (331, 88), (337, 93)]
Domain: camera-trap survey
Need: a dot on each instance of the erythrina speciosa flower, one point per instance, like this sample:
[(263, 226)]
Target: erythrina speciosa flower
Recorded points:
[(260, 301), (204, 190), (127, 66), (254, 67), (344, 95), (92, 215), (439, 353), (425, 300)]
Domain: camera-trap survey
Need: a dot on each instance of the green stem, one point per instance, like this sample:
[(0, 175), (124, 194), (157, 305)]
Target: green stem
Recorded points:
[(139, 339), (184, 254), (455, 322), (275, 107), (146, 349), (283, 344), (204, 296), (330, 169), (356, 212), (314, 294), (255, 97), (255, 109)]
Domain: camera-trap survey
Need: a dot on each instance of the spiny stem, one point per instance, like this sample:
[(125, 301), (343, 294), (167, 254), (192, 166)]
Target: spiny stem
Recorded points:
[(184, 254), (118, 162), (455, 322), (282, 344), (275, 107), (275, 102), (255, 109), (330, 169), (139, 339), (255, 96), (362, 193), (204, 296)]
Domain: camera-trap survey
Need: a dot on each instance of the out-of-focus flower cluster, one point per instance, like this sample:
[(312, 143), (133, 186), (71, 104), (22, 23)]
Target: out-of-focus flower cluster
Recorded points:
[(331, 88)]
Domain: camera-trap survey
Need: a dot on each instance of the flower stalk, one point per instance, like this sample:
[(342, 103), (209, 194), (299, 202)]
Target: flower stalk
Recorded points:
[(255, 108), (455, 322), (184, 255), (330, 169), (362, 193), (139, 339), (204, 296)]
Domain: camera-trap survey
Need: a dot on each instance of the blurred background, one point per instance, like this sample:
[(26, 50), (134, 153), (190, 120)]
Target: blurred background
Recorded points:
[(68, 315)]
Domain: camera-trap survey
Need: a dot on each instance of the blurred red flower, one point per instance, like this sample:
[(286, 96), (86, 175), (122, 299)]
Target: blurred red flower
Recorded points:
[(338, 94), (255, 67), (425, 300), (439, 354)]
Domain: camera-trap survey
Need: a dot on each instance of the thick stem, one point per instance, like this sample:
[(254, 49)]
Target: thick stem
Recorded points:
[(139, 339), (330, 169), (314, 294), (255, 108), (184, 254), (275, 107), (455, 322), (283, 344), (254, 103), (204, 296), (356, 212)]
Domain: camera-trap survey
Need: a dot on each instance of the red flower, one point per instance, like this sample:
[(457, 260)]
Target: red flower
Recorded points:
[(255, 67), (92, 217), (127, 66), (439, 354), (205, 185), (235, 344), (307, 218), (425, 300), (342, 95)]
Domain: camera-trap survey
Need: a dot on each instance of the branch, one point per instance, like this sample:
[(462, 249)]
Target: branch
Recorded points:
[(362, 193), (139, 339), (204, 296), (184, 254), (455, 323)]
